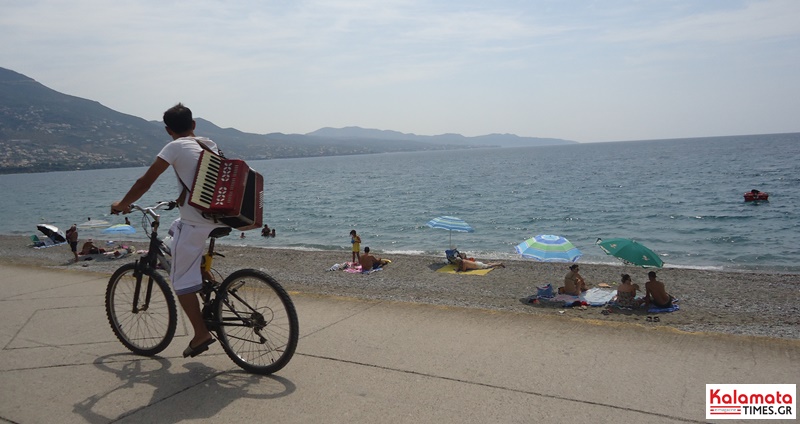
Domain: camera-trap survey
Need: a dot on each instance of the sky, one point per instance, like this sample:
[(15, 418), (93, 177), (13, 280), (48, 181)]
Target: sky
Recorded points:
[(586, 71)]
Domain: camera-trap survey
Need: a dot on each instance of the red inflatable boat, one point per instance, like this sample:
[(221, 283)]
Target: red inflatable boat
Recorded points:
[(755, 195)]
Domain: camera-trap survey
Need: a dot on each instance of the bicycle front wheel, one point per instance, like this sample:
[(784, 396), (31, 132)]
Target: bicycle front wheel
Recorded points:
[(141, 310), (258, 325)]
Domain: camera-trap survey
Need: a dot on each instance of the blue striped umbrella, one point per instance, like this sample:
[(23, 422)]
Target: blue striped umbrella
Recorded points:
[(548, 248), (451, 223)]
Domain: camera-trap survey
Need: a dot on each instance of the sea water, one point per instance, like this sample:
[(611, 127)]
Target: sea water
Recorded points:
[(682, 198)]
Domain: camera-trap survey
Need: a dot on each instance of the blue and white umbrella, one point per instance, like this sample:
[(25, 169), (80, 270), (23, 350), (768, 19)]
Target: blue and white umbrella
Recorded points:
[(451, 223), (119, 229), (548, 248)]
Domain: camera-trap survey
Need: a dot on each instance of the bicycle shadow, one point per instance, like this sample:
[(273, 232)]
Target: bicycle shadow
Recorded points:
[(200, 392)]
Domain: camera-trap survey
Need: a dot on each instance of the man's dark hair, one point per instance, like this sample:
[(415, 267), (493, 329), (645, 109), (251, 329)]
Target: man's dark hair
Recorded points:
[(366, 250), (178, 118)]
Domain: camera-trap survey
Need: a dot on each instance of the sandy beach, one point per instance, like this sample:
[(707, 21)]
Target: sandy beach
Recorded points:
[(754, 304)]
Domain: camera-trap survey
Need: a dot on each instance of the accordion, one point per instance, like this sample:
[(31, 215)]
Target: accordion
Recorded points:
[(228, 191)]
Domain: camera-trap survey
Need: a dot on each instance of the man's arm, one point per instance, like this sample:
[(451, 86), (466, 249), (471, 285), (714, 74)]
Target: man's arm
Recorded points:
[(141, 186)]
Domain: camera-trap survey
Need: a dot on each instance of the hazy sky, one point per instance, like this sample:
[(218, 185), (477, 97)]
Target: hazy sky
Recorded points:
[(579, 70)]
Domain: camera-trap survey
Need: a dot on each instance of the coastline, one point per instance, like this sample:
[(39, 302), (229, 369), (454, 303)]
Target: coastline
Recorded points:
[(740, 303)]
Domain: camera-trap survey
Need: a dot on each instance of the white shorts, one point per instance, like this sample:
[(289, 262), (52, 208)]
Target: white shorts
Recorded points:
[(188, 246)]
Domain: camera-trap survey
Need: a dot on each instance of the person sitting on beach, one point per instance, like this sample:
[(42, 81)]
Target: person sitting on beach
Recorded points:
[(89, 248), (465, 264), (655, 293), (626, 293), (573, 282), (369, 262)]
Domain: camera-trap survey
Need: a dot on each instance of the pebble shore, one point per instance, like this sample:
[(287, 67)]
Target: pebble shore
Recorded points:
[(741, 303)]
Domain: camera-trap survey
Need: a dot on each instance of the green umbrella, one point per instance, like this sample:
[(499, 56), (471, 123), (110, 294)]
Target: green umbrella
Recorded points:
[(631, 252)]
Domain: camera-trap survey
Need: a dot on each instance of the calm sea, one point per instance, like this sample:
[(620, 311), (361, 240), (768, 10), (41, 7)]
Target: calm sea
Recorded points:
[(682, 198)]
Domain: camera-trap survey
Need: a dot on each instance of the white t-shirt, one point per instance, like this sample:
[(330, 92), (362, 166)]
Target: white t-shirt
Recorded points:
[(183, 155)]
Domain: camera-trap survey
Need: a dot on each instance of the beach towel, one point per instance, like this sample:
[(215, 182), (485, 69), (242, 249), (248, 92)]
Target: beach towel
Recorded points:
[(592, 297), (452, 269), (656, 310), (597, 296), (356, 269), (339, 267)]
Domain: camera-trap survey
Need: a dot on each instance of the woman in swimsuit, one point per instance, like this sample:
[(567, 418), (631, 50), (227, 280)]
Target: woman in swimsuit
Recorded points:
[(626, 293)]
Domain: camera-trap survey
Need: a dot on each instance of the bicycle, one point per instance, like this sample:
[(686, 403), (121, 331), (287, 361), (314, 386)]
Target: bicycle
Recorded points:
[(251, 314)]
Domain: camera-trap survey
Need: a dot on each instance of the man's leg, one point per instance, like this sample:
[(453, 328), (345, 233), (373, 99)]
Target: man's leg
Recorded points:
[(191, 305), (188, 243)]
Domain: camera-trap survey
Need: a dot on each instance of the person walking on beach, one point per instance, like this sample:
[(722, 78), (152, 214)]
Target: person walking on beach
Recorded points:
[(355, 240), (655, 293), (192, 228), (72, 239)]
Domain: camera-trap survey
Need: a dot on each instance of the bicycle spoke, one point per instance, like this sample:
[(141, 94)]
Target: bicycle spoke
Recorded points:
[(147, 327), (257, 322)]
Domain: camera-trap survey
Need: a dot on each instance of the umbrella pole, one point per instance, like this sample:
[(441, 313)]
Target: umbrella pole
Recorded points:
[(451, 239)]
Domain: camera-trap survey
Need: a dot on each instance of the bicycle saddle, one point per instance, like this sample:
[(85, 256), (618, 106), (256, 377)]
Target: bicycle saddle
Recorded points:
[(220, 232)]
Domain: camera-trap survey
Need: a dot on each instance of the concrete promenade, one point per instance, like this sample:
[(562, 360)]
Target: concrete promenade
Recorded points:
[(364, 362)]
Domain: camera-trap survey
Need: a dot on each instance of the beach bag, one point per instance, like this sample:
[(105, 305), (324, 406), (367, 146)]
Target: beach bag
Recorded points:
[(545, 291), (452, 256)]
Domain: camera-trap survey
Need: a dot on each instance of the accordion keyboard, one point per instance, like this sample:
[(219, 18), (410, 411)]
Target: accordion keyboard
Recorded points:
[(208, 168)]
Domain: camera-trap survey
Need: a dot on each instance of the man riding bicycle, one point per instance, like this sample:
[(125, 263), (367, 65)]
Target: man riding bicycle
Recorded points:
[(190, 231)]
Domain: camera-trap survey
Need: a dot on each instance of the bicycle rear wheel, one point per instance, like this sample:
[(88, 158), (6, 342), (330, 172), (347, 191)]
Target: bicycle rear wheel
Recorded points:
[(141, 311), (258, 325)]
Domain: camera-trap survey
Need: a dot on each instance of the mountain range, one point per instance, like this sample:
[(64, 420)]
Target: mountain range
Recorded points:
[(44, 130)]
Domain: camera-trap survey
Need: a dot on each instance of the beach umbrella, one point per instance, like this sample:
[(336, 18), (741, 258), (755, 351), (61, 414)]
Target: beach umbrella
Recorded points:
[(631, 252), (548, 248), (119, 229), (450, 223), (96, 223), (52, 232)]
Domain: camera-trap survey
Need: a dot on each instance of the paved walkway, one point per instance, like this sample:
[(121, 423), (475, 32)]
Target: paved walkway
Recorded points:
[(364, 362)]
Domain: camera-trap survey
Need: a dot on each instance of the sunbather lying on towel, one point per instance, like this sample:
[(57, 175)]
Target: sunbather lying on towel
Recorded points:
[(369, 262), (465, 264)]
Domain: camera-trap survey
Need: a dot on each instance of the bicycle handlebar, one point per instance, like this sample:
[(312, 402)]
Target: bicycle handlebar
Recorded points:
[(151, 211)]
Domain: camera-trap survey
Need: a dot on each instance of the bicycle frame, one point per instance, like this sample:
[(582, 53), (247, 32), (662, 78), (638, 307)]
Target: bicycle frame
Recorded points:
[(155, 255)]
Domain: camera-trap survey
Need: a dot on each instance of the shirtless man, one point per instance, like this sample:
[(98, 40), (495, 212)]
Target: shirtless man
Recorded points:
[(655, 294), (369, 262), (573, 282)]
